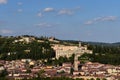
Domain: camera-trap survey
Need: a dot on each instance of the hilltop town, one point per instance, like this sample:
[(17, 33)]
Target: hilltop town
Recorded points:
[(29, 57)]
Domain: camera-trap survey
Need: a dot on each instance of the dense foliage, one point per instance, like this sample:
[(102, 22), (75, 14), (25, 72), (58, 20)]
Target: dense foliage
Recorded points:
[(19, 50), (103, 54)]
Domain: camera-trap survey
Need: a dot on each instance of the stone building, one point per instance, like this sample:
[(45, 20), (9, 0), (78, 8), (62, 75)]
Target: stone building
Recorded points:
[(62, 50)]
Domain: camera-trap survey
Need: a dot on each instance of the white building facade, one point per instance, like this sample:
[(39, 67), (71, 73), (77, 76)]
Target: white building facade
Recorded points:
[(68, 51)]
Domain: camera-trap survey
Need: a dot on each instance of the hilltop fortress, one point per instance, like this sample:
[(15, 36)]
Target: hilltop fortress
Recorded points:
[(62, 50)]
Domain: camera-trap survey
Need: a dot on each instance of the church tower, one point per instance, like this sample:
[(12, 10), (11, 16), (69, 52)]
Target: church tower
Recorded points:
[(76, 62), (79, 44)]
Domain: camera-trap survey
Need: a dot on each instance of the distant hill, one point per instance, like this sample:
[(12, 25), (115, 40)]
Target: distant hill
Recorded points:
[(117, 43), (104, 44), (65, 42), (92, 43)]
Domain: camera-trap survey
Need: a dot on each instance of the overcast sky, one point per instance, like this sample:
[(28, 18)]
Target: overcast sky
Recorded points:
[(86, 20)]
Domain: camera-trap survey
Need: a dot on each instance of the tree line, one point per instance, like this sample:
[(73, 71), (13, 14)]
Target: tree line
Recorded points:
[(19, 50), (103, 54)]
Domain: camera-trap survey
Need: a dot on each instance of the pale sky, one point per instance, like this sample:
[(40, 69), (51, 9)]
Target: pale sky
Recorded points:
[(85, 20)]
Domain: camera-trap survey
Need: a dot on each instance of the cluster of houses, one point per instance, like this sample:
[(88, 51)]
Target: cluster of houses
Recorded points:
[(27, 69), (97, 70)]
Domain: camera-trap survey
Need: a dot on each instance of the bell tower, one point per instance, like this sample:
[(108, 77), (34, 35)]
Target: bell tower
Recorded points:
[(79, 44)]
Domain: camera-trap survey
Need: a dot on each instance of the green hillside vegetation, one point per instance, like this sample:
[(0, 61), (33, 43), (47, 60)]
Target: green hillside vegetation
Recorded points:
[(102, 52), (20, 50)]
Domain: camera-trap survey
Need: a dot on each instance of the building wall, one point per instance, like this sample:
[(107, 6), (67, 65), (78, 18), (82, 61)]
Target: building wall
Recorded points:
[(67, 51)]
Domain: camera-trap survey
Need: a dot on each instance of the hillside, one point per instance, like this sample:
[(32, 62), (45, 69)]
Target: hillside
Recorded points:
[(33, 47)]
